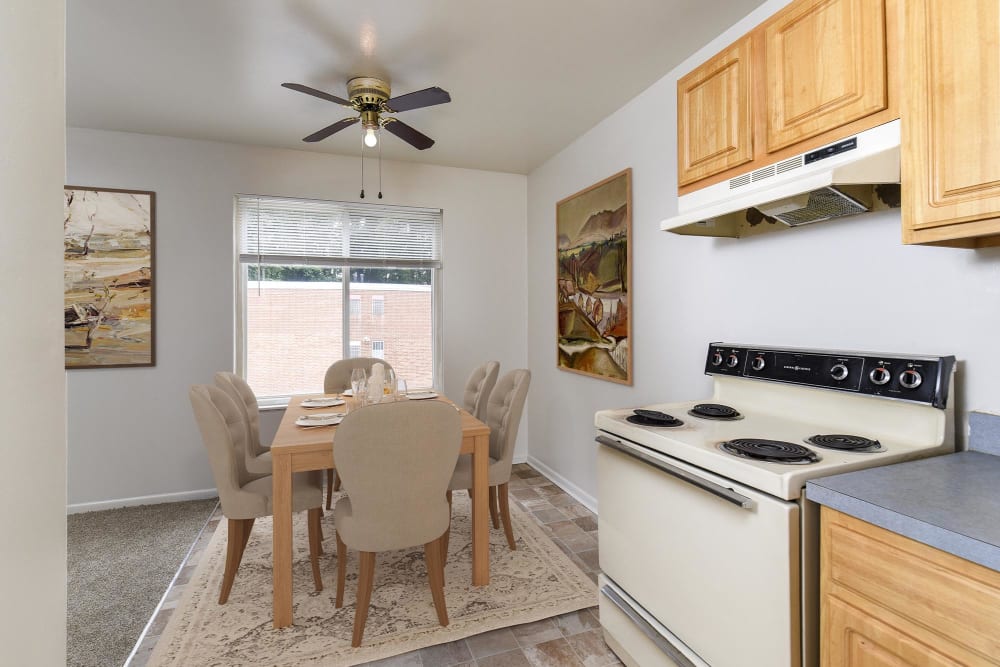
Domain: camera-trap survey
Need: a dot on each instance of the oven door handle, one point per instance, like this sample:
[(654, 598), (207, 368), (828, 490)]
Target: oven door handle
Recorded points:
[(646, 628), (729, 495)]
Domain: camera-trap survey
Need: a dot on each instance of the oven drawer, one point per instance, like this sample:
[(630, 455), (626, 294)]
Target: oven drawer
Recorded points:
[(714, 562)]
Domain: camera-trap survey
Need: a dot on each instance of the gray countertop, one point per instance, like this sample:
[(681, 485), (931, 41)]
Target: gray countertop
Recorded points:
[(950, 502)]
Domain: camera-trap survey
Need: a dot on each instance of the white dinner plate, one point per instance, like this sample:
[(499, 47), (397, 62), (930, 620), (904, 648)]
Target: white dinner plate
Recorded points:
[(420, 395), (320, 419), (327, 402)]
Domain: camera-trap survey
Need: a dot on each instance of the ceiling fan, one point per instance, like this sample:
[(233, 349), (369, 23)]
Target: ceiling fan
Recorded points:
[(370, 97)]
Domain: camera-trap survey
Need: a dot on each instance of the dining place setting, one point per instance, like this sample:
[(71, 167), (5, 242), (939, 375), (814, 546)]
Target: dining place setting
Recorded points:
[(388, 460)]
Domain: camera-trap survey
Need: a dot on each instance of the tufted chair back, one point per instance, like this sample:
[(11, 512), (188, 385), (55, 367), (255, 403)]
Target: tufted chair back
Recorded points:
[(503, 415), (338, 375), (478, 388)]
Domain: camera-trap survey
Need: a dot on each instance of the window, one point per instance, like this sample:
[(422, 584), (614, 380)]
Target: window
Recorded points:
[(301, 261)]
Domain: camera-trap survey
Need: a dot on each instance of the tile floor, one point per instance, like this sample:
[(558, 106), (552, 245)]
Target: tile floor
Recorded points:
[(569, 640)]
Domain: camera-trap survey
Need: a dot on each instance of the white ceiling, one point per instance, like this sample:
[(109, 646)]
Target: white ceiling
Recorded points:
[(526, 77)]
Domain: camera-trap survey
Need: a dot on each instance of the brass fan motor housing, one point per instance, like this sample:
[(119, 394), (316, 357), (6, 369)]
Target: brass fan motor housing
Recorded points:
[(368, 93)]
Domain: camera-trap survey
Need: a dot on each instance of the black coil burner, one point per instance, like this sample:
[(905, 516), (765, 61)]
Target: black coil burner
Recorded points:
[(653, 418), (715, 411), (846, 443), (772, 451)]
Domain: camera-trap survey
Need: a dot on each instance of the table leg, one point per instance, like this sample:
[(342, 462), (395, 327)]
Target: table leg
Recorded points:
[(480, 512), (282, 572)]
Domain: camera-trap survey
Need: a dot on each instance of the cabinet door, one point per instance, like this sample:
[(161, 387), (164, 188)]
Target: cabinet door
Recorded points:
[(951, 120), (855, 637), (713, 115), (825, 66)]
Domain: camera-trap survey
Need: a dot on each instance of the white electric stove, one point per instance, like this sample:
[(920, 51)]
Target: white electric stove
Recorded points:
[(708, 545)]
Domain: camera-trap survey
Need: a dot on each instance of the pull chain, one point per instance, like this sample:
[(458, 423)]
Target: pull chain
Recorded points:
[(380, 165), (362, 169)]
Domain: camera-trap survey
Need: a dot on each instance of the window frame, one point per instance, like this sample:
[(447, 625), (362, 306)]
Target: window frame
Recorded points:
[(241, 279)]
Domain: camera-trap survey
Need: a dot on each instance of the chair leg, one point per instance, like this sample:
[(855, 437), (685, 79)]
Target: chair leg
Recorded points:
[(494, 510), (365, 579), (247, 527), (329, 488), (341, 571), (239, 533), (505, 515), (315, 544), (336, 481), (447, 533), (435, 576)]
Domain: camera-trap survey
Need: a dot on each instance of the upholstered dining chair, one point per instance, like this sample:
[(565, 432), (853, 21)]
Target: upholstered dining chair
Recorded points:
[(338, 375), (395, 460), (337, 380), (246, 496), (258, 457), (478, 388), (503, 416)]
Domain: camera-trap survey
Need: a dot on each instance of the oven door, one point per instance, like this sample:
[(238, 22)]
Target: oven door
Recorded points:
[(714, 562)]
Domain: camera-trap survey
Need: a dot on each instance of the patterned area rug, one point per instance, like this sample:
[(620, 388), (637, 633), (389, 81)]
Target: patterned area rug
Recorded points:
[(534, 582)]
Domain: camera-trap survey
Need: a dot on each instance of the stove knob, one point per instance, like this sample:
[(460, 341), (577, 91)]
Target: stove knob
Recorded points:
[(910, 379), (839, 372), (880, 375), (732, 360), (758, 363), (716, 358)]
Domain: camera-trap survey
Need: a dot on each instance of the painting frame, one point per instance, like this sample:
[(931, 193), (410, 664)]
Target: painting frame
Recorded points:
[(593, 337), (89, 321)]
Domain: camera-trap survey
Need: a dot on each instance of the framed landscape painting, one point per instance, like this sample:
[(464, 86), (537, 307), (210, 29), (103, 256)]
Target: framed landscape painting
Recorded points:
[(593, 275), (108, 273)]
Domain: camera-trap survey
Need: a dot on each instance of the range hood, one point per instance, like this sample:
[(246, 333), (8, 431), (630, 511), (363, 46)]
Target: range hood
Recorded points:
[(848, 177)]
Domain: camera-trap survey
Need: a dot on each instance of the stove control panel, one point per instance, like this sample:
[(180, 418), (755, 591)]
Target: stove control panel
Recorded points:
[(916, 378)]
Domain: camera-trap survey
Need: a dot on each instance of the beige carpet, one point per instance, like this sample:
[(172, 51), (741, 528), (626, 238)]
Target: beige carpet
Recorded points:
[(534, 582)]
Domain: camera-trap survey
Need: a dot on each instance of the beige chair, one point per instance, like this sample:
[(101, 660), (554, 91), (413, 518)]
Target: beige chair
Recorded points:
[(337, 380), (258, 456), (395, 460), (246, 496), (338, 375), (503, 416), (478, 388)]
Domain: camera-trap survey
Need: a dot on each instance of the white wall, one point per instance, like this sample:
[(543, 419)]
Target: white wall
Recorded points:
[(847, 284), (131, 432), (32, 382)]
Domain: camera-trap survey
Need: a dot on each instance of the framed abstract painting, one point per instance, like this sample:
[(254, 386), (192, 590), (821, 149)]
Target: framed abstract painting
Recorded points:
[(108, 245), (593, 275)]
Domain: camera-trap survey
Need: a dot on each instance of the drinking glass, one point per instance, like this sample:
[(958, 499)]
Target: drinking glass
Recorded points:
[(358, 377), (400, 389), (390, 385)]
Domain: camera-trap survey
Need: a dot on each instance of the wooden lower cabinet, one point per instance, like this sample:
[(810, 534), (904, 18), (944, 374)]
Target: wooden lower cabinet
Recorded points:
[(888, 601)]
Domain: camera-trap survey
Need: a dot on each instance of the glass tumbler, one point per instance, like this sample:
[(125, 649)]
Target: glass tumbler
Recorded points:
[(358, 381)]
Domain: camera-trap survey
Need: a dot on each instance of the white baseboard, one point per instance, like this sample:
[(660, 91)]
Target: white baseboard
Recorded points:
[(589, 501), (201, 494)]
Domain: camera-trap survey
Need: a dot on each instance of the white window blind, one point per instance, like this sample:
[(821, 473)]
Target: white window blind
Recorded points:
[(278, 230)]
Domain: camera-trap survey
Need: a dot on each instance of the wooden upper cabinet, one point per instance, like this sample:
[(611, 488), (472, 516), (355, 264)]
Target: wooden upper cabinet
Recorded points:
[(814, 73), (951, 123), (714, 131), (825, 66)]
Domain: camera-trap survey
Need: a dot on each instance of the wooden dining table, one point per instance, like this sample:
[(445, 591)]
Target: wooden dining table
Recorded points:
[(298, 449)]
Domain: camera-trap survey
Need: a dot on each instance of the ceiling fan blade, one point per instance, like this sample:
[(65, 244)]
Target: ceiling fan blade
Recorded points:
[(317, 93), (427, 97), (330, 129), (418, 140)]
